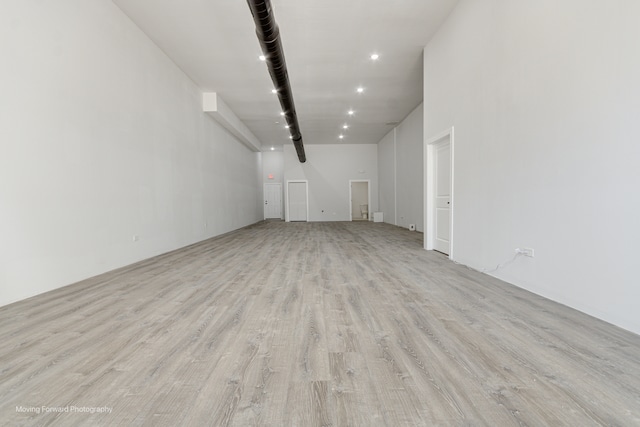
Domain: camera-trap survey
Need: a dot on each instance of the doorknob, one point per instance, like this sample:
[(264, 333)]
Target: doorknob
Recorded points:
[(448, 202)]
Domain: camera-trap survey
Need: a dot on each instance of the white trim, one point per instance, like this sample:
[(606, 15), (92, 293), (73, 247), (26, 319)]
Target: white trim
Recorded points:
[(368, 181), (286, 195), (429, 182)]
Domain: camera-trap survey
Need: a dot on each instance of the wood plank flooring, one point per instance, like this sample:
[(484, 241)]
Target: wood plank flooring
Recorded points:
[(310, 324)]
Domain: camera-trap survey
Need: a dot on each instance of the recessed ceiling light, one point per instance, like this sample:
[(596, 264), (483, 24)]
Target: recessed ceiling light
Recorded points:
[(286, 126), (290, 137), (262, 58), (345, 126), (282, 113), (375, 56), (350, 112), (360, 90), (274, 91), (272, 148), (341, 136)]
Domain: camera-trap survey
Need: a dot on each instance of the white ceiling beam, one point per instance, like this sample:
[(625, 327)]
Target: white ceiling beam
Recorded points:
[(213, 105)]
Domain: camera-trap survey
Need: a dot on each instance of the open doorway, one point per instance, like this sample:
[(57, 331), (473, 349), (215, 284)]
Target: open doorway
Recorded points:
[(359, 197)]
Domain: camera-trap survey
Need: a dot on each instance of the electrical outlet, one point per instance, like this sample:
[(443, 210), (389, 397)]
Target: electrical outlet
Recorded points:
[(525, 251)]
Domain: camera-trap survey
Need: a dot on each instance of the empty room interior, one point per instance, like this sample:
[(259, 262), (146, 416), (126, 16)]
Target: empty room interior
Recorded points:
[(314, 213)]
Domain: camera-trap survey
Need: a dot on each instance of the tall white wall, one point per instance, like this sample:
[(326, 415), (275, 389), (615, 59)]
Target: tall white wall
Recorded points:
[(544, 97), (400, 167), (387, 176), (328, 170), (102, 138), (409, 159), (272, 164)]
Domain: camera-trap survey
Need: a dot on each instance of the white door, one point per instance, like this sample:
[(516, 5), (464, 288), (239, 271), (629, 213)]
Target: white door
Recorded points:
[(297, 198), (442, 187), (273, 201)]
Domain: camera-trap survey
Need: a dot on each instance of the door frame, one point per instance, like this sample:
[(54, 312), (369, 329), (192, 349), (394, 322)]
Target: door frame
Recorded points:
[(368, 181), (264, 194), (286, 197), (429, 188)]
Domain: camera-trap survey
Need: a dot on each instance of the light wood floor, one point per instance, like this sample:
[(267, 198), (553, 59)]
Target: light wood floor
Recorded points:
[(343, 324)]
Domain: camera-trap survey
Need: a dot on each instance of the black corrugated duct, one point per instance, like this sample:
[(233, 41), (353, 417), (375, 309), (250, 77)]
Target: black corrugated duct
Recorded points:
[(269, 37)]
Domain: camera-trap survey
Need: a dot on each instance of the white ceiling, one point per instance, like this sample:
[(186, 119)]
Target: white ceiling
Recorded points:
[(327, 44)]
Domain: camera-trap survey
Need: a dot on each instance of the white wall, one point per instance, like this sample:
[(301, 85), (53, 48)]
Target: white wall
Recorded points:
[(410, 182), (103, 138), (387, 176), (328, 169), (544, 97), (272, 163), (400, 167)]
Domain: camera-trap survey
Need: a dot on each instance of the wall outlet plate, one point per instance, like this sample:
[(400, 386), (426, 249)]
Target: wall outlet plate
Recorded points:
[(412, 227)]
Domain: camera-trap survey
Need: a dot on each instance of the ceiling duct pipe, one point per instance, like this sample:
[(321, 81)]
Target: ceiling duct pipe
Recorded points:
[(269, 37)]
